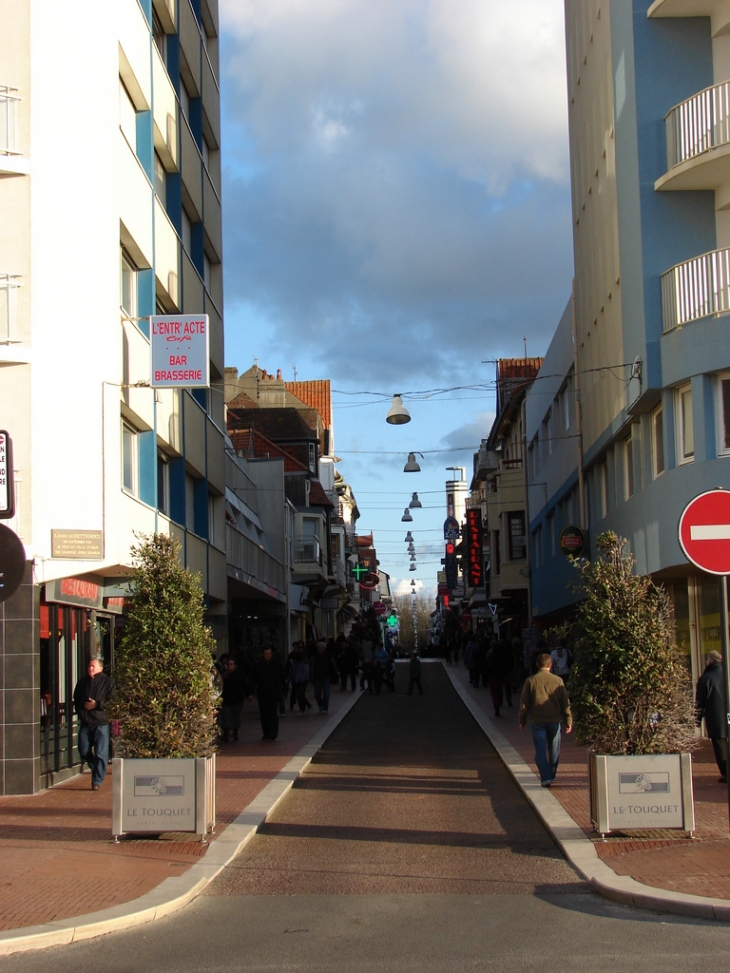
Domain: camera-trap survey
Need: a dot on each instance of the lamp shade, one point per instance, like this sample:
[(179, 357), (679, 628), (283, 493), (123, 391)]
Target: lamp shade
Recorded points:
[(406, 515), (411, 464), (409, 537), (415, 502), (398, 414), (412, 556), (413, 568), (411, 548)]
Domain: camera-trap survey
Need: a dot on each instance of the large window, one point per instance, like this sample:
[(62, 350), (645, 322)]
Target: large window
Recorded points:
[(517, 539), (685, 430), (130, 459), (128, 286), (723, 414), (657, 441)]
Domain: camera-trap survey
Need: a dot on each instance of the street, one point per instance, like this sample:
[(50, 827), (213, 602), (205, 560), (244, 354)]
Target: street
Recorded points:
[(405, 846)]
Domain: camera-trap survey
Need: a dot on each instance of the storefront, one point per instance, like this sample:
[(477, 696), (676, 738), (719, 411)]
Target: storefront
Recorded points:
[(78, 620)]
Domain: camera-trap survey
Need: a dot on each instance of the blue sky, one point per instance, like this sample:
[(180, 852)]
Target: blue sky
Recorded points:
[(396, 216)]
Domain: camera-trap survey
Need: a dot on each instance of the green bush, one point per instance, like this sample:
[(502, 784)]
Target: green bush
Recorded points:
[(629, 689), (165, 699)]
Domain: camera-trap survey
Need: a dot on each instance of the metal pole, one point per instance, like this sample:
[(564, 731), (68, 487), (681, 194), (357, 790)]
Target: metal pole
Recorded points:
[(725, 669)]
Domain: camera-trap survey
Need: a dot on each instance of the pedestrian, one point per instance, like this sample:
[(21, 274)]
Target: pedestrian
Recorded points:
[(93, 691), (414, 674), (300, 677), (366, 665), (499, 672), (545, 700), (322, 671), (267, 680), (562, 661), (469, 651), (233, 694), (710, 700)]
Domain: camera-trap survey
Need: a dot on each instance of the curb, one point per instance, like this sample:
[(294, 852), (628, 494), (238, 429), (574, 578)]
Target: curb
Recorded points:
[(175, 892), (576, 846)]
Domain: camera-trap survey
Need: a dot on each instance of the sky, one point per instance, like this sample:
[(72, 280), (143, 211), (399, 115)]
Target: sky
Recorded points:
[(396, 206)]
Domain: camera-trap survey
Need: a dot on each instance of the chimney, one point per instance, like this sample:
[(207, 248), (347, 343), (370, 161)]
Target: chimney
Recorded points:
[(278, 374)]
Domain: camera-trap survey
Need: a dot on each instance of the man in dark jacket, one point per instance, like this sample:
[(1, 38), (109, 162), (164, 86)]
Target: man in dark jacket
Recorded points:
[(267, 681), (710, 700), (233, 694), (91, 695)]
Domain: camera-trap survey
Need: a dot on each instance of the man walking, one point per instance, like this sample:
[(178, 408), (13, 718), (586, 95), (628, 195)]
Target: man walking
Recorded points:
[(91, 695), (545, 699), (414, 674), (710, 700), (267, 681)]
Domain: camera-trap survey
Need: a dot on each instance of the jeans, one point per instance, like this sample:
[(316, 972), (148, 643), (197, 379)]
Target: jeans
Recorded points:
[(322, 694), (546, 737), (94, 750)]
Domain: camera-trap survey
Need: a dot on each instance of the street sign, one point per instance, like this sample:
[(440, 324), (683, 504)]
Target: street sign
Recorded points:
[(451, 529), (572, 541), (180, 350), (704, 531), (380, 608), (369, 581), (7, 493)]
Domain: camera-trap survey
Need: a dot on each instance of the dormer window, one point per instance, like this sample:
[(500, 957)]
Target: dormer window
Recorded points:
[(312, 458)]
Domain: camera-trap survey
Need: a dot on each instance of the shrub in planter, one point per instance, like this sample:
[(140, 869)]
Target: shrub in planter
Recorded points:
[(629, 690), (165, 700)]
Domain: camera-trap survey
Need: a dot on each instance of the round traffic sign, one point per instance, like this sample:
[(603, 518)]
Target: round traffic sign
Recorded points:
[(379, 607), (704, 531)]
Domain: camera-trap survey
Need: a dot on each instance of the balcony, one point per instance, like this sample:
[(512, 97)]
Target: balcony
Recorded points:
[(251, 564), (698, 141), (9, 284), (11, 158), (696, 289), (717, 10)]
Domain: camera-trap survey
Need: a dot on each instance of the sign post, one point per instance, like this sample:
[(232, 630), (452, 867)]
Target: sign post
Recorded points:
[(704, 536)]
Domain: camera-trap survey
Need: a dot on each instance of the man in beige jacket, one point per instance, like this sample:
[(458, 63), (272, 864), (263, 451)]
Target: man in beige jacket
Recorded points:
[(545, 699)]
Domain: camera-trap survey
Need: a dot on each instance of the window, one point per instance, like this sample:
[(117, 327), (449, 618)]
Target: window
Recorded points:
[(628, 467), (130, 459), (723, 415), (517, 540), (312, 458), (187, 233), (206, 271), (537, 545), (205, 152), (159, 36), (184, 100), (657, 442), (497, 560), (163, 484), (160, 180), (127, 117), (211, 518), (565, 397), (549, 426), (603, 487), (189, 502), (550, 526), (685, 431), (128, 286)]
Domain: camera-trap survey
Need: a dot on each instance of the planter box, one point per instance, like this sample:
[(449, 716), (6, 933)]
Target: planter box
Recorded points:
[(163, 795), (642, 792)]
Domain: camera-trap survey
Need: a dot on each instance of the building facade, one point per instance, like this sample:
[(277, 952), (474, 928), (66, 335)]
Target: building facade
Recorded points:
[(127, 185)]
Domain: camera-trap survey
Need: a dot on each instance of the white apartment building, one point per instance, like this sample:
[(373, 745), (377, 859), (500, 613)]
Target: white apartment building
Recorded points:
[(110, 195)]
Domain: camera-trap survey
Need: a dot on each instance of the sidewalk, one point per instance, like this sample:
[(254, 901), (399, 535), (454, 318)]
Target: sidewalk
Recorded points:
[(662, 860), (57, 858)]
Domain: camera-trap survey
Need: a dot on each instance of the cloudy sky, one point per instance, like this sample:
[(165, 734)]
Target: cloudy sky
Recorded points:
[(396, 214)]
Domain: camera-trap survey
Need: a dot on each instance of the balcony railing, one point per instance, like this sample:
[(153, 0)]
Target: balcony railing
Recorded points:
[(307, 550), (9, 284), (700, 123), (9, 99), (243, 554), (696, 289)]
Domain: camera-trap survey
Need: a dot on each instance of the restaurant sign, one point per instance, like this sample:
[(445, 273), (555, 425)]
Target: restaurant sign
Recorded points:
[(474, 547)]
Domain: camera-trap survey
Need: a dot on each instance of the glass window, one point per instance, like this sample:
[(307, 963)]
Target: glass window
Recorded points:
[(128, 286), (516, 523), (130, 458), (723, 414), (184, 100), (603, 487), (211, 518), (566, 406), (127, 117), (205, 152), (163, 484), (160, 180), (187, 232), (685, 431), (629, 467), (657, 441), (189, 502), (159, 36)]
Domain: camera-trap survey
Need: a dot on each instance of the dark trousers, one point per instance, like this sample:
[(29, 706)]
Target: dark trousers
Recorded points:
[(352, 673), (269, 713), (301, 691), (719, 745), (495, 688), (415, 682)]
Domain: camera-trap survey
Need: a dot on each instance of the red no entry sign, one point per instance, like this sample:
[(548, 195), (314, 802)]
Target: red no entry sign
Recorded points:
[(704, 531)]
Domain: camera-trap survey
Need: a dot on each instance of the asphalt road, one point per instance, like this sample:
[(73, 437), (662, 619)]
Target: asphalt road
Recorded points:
[(405, 846)]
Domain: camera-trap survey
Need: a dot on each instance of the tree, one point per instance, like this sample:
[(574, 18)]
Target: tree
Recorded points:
[(630, 691), (423, 608), (165, 700)]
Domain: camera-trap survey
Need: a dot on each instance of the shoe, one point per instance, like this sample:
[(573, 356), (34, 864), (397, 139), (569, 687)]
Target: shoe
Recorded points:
[(545, 783), (96, 787)]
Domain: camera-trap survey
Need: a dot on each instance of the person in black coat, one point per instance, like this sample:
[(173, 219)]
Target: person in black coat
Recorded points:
[(267, 681), (710, 701), (233, 694), (91, 695)]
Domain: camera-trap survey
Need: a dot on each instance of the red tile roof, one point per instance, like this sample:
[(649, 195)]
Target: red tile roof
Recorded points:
[(317, 395), (242, 401), (317, 496), (250, 442), (365, 540)]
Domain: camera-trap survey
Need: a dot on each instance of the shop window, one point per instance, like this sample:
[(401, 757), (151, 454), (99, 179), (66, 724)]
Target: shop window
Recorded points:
[(657, 442), (685, 430)]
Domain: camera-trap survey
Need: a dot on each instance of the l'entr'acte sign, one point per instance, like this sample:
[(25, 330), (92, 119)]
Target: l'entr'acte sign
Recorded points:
[(180, 351)]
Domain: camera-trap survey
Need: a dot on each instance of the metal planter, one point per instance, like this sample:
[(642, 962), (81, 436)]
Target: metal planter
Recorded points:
[(163, 795)]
